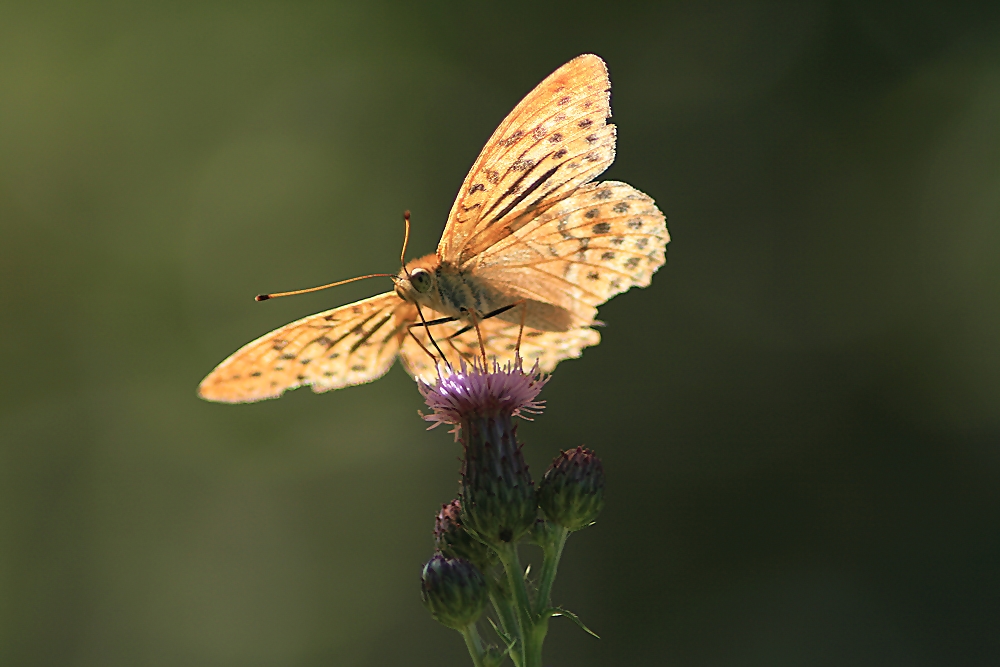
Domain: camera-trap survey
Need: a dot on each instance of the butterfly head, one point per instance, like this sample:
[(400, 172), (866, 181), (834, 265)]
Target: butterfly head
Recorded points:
[(417, 280)]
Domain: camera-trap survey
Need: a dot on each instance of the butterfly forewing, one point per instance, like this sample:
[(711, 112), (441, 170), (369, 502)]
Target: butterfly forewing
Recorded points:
[(555, 140), (337, 348)]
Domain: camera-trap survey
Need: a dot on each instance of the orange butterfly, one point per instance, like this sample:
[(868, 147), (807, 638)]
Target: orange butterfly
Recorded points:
[(531, 246)]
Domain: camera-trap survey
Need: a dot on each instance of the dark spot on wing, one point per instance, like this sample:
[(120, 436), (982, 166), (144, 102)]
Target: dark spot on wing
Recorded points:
[(279, 344), (255, 374), (357, 368), (586, 122), (603, 194), (602, 228), (564, 101), (607, 256), (635, 223), (287, 355), (492, 176), (538, 133), (305, 362), (642, 243), (632, 262), (556, 138), (593, 275), (532, 334), (512, 139), (300, 378), (559, 154), (591, 138), (478, 187), (620, 207), (328, 374), (522, 164), (617, 240), (324, 341), (334, 355), (279, 368), (592, 213)]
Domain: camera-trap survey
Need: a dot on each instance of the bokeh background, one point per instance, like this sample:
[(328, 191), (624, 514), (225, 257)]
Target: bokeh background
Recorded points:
[(800, 417)]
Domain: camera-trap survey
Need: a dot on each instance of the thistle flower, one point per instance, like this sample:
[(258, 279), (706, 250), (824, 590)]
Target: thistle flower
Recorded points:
[(453, 590), (497, 495), (475, 392), (572, 492), (454, 541)]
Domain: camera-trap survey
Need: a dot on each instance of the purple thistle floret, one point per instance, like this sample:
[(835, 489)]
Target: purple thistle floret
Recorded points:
[(474, 392)]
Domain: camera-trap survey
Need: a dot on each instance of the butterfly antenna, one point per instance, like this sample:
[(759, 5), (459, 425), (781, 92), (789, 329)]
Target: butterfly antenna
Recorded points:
[(275, 295), (406, 240)]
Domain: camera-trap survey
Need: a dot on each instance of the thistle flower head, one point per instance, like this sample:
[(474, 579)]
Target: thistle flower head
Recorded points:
[(497, 495), (454, 591), (474, 391), (572, 492), (454, 541)]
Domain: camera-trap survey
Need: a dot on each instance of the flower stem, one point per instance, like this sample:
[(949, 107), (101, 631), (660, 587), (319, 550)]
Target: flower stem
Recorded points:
[(474, 643), (531, 656), (552, 552), (508, 621)]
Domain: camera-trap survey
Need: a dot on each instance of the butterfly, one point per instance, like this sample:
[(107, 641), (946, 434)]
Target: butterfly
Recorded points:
[(531, 247)]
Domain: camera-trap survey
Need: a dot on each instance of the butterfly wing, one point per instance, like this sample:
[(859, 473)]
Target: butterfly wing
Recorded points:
[(500, 338), (582, 250), (554, 140), (345, 346)]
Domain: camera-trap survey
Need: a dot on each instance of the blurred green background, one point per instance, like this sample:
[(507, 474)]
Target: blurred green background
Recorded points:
[(800, 418)]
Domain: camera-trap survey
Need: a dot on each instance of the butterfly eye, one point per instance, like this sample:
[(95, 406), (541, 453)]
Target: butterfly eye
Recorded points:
[(421, 280)]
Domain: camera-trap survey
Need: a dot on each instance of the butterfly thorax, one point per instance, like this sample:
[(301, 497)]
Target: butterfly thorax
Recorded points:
[(446, 289)]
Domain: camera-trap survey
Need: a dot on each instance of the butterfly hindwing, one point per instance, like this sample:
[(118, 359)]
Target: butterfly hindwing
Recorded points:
[(345, 346), (554, 141), (500, 339), (582, 250)]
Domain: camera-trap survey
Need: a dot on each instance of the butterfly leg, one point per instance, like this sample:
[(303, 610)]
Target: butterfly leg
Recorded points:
[(479, 335), (487, 316), (520, 332), (434, 342), (423, 347)]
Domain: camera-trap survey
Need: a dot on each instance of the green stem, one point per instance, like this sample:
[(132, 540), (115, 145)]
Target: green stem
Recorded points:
[(552, 552), (474, 643), (525, 615), (508, 621)]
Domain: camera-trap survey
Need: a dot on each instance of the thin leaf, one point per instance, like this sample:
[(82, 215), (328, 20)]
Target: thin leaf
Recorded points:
[(559, 611), (503, 635)]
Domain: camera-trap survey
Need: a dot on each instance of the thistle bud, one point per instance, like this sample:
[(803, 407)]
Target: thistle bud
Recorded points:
[(453, 590), (572, 492), (498, 497), (454, 541)]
